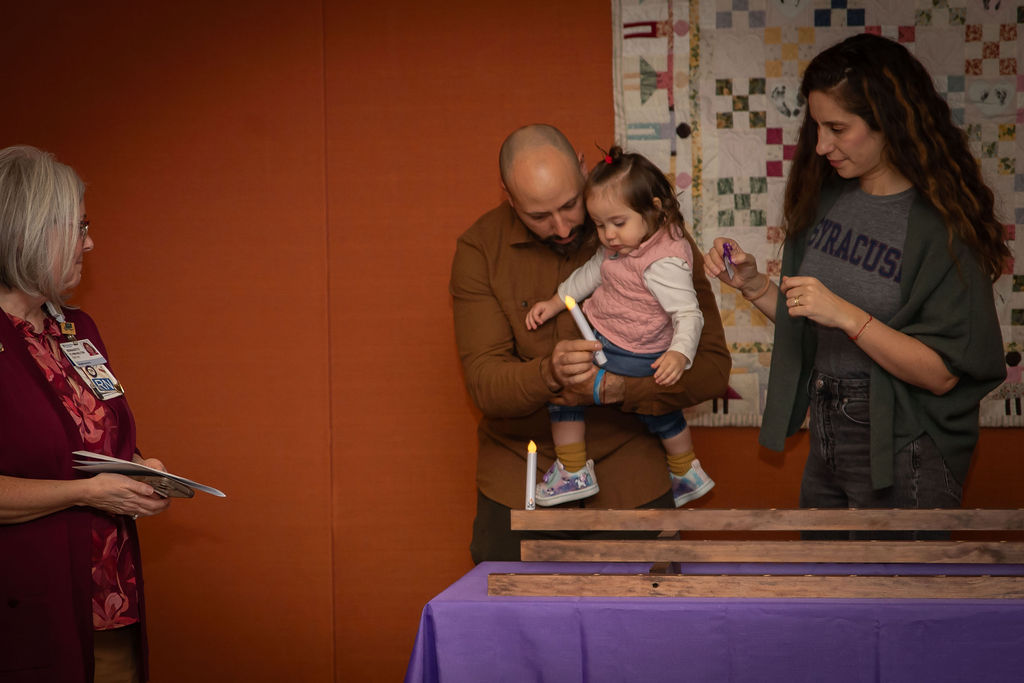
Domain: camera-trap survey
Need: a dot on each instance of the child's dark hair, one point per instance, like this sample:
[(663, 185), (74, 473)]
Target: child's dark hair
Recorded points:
[(641, 182)]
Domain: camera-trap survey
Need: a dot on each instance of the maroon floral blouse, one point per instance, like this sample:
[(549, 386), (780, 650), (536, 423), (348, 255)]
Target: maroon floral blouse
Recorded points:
[(114, 595)]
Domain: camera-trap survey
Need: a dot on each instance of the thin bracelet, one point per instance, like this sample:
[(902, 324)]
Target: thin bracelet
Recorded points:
[(862, 328), (597, 386), (767, 284)]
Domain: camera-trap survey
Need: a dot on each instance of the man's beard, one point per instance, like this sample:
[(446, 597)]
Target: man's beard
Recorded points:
[(578, 236)]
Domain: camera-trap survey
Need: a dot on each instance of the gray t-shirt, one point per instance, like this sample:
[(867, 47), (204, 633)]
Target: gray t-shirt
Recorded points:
[(857, 252)]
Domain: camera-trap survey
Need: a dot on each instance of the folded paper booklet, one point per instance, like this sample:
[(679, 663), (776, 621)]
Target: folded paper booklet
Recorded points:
[(166, 484)]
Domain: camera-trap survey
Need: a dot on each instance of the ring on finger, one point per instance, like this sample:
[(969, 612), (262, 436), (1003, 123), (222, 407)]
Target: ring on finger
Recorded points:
[(796, 301)]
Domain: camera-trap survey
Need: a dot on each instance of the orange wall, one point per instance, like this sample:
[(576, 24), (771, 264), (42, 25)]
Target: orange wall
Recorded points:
[(275, 190), (418, 101)]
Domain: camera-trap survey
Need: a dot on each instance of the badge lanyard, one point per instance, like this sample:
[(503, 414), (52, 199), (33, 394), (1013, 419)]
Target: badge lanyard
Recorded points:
[(86, 359)]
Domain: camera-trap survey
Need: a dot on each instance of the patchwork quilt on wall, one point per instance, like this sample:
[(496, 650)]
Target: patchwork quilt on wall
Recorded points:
[(709, 91)]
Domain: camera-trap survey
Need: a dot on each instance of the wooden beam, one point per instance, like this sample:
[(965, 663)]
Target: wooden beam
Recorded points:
[(766, 520), (667, 551), (703, 586)]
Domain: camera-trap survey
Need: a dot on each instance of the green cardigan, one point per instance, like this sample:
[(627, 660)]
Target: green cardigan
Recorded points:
[(945, 303)]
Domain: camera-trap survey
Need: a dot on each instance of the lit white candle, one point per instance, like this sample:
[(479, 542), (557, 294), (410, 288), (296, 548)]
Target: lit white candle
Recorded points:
[(531, 475), (585, 330)]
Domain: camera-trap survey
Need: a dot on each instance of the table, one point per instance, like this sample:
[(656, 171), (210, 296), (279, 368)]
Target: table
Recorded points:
[(466, 635)]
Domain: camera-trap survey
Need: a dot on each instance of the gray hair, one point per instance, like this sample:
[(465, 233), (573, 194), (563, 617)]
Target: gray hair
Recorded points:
[(39, 214)]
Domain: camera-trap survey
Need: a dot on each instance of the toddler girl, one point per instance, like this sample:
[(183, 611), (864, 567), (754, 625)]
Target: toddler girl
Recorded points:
[(644, 311)]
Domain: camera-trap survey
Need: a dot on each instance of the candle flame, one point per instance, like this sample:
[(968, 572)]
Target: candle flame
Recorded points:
[(531, 447), (570, 303)]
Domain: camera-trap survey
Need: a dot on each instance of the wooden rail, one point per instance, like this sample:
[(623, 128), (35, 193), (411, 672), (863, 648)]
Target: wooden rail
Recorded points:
[(735, 586), (860, 552), (767, 520), (668, 551)]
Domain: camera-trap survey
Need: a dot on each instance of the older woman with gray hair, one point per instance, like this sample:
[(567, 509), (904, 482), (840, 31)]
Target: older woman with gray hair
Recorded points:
[(71, 605)]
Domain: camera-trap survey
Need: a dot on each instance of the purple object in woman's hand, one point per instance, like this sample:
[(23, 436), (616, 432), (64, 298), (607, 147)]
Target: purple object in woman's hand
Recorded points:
[(727, 252)]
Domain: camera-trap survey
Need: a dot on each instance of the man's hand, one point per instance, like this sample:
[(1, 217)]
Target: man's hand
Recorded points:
[(572, 362)]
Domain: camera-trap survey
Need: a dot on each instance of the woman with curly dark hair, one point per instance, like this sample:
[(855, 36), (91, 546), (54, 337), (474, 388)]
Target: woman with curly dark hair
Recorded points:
[(885, 325)]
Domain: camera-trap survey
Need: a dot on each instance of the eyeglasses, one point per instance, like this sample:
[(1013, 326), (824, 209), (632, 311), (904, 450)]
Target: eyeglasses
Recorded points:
[(83, 229)]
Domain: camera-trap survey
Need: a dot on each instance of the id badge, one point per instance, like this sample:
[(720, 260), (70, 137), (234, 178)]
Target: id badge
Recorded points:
[(91, 367), (82, 353), (101, 381)]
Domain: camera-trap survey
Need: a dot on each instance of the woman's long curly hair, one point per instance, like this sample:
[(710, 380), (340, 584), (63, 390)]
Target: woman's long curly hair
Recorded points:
[(880, 81), (640, 183)]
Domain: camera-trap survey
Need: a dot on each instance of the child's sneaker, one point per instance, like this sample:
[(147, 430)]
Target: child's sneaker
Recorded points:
[(560, 486), (691, 485)]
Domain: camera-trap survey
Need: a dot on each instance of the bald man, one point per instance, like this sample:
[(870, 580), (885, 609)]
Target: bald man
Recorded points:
[(512, 257)]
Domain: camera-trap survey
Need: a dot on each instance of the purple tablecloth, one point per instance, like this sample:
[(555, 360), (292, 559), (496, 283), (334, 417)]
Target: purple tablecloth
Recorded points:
[(467, 636)]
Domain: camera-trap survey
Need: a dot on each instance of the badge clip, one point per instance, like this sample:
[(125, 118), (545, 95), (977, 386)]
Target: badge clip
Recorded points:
[(67, 328)]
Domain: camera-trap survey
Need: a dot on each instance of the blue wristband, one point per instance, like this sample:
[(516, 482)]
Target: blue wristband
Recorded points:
[(597, 386)]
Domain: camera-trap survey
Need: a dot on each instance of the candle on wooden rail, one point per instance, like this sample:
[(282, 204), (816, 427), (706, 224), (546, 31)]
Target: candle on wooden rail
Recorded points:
[(531, 476)]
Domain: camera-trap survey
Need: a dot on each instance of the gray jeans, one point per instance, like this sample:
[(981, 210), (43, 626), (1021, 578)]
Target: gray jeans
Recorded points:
[(838, 470)]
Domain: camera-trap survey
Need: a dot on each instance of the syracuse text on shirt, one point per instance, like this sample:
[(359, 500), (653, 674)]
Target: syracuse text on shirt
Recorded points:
[(857, 249)]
